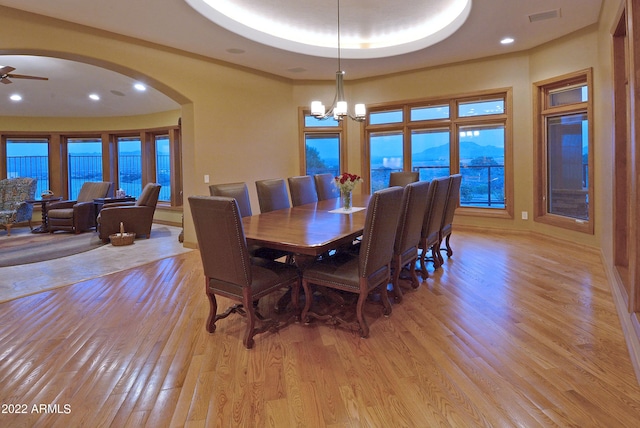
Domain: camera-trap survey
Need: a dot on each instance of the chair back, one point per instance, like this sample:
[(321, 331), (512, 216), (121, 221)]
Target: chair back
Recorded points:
[(325, 187), (435, 210), (238, 191), (453, 200), (303, 190), (381, 223), (413, 207), (91, 190), (149, 195), (221, 240), (402, 178), (272, 195)]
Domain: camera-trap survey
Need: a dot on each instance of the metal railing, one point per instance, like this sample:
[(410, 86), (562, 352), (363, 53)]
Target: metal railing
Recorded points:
[(89, 168), (482, 185)]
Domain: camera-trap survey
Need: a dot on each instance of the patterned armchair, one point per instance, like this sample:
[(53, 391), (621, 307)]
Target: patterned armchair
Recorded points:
[(14, 192)]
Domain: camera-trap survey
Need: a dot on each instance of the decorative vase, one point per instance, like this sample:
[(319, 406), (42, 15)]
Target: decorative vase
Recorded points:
[(346, 200)]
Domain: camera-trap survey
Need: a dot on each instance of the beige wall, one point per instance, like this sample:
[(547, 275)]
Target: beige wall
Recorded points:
[(240, 125)]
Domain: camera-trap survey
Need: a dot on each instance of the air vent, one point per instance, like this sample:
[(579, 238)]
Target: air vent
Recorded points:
[(543, 16)]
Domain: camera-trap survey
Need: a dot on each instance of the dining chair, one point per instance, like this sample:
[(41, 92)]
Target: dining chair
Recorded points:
[(453, 201), (402, 178), (405, 249), (361, 273), (325, 187), (228, 268), (430, 234), (238, 191), (272, 195), (303, 190)]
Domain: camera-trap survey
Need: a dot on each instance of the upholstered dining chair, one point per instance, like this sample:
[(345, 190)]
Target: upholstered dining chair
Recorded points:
[(272, 195), (453, 201), (361, 273), (405, 249), (402, 178), (303, 190), (136, 217), (325, 187), (238, 191), (79, 215), (430, 235), (228, 268)]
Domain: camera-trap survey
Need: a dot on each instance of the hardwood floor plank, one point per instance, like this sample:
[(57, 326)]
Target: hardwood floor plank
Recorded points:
[(511, 331)]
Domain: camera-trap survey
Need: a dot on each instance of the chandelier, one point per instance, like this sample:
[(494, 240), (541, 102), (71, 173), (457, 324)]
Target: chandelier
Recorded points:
[(339, 107)]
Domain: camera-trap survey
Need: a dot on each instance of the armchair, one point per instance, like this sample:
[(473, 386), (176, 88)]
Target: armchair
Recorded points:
[(137, 217), (79, 215), (14, 208)]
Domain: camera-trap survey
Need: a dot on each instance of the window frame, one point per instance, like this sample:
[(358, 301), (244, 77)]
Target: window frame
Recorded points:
[(58, 157), (340, 129), (452, 123), (542, 112)]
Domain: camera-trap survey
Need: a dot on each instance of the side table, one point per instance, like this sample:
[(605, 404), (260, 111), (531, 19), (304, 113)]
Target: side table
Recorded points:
[(98, 203), (44, 205)]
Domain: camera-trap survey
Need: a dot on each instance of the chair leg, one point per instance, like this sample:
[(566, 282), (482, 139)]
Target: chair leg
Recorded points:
[(415, 282), (384, 295), (446, 242), (251, 320), (213, 309), (423, 262), (397, 291), (8, 227), (308, 297), (364, 327)]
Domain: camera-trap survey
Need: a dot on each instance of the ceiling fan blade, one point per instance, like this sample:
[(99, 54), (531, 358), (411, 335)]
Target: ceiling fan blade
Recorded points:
[(6, 69), (5, 80), (23, 76)]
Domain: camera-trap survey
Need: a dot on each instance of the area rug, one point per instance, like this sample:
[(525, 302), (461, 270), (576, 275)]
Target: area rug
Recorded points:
[(25, 248), (25, 280)]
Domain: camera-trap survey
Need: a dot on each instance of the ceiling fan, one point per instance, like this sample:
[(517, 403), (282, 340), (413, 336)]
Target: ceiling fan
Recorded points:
[(5, 74)]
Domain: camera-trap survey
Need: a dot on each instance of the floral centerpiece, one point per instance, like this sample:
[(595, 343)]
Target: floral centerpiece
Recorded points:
[(346, 182)]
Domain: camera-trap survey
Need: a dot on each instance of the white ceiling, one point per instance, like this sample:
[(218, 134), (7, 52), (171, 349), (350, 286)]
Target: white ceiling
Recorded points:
[(176, 24)]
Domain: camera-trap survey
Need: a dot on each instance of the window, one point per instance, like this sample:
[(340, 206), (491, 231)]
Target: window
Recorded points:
[(62, 163), (84, 163), (482, 149), (163, 166), (563, 189), (130, 165), (386, 157), (465, 134), (29, 157), (321, 145)]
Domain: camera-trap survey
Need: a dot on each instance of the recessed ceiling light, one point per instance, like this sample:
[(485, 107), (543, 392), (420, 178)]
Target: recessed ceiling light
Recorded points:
[(140, 87), (94, 97), (235, 51), (117, 93), (15, 97), (507, 41)]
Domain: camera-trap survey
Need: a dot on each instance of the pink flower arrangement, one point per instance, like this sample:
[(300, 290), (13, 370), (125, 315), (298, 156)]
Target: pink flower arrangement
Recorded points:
[(346, 182)]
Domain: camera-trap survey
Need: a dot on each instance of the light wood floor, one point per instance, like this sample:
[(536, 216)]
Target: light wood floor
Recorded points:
[(512, 331)]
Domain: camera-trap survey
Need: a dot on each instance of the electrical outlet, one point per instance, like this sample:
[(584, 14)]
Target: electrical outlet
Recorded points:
[(525, 215), (206, 178)]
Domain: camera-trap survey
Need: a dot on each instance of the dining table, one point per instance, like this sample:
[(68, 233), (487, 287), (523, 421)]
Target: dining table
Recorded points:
[(310, 230)]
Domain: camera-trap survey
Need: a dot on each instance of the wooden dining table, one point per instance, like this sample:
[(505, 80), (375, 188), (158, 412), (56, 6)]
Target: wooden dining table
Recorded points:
[(309, 230)]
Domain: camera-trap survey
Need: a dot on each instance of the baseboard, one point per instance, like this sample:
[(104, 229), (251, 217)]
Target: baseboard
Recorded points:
[(629, 320)]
